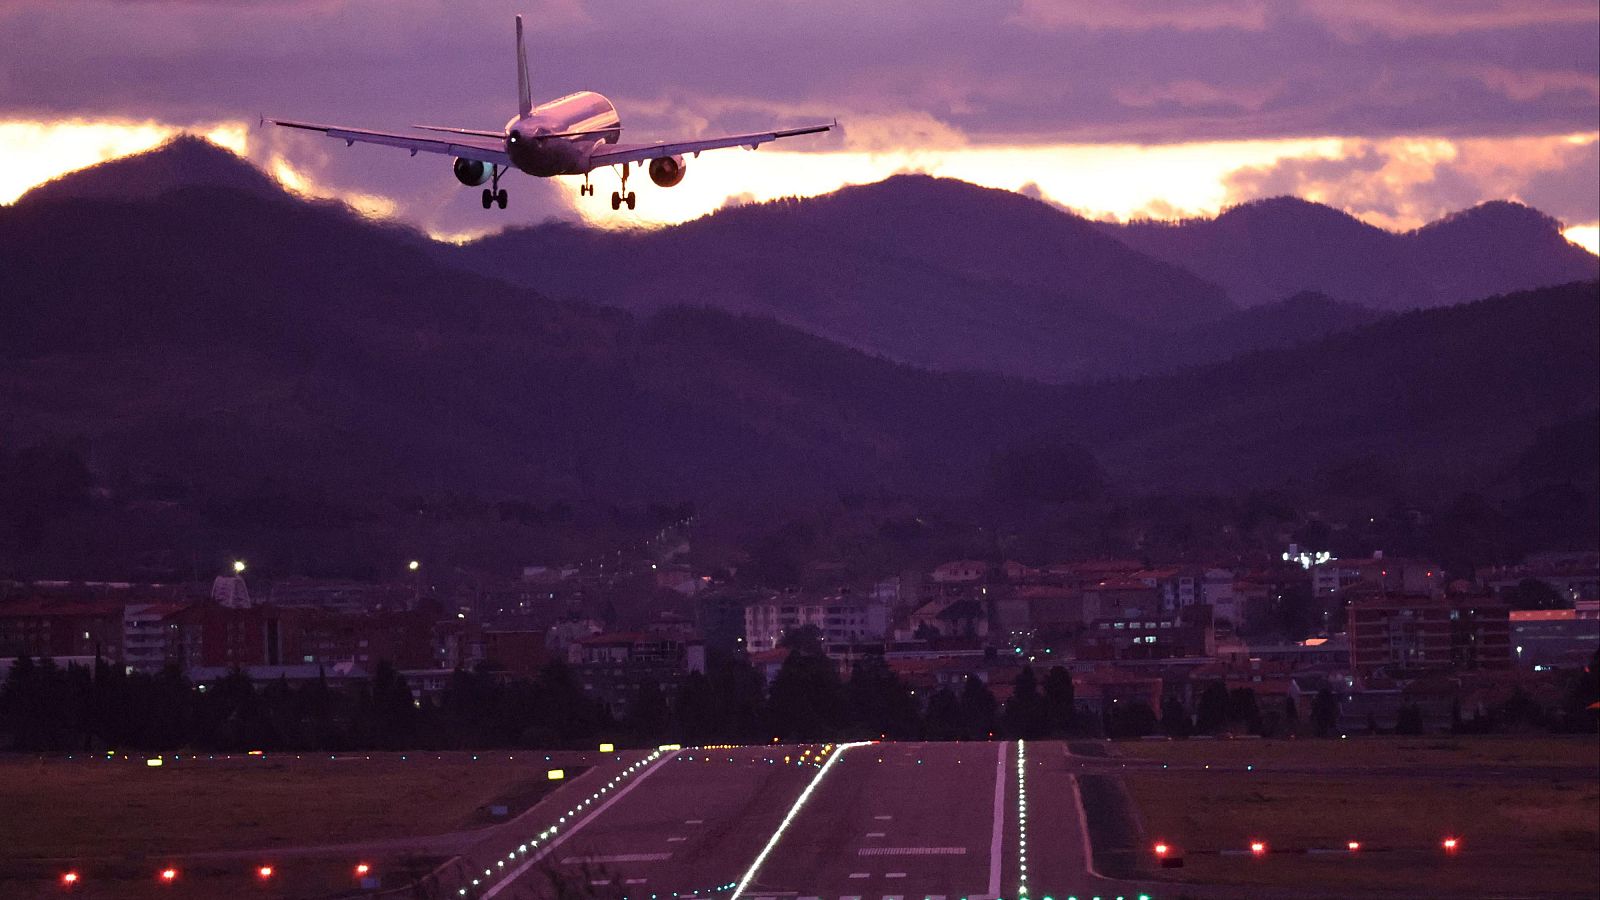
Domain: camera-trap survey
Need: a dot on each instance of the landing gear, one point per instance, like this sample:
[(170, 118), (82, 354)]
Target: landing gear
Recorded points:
[(587, 190), (495, 195), (624, 196)]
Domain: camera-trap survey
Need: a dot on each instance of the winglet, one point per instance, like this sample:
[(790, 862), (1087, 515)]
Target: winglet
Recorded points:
[(524, 87)]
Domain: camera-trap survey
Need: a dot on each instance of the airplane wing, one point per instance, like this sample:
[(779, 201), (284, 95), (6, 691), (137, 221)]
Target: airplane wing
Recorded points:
[(616, 154), (481, 147)]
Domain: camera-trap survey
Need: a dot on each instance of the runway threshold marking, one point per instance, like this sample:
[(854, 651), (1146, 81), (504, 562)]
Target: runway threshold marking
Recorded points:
[(997, 840), (575, 827), (912, 851), (616, 858)]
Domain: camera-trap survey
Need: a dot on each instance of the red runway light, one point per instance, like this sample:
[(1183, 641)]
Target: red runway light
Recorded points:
[(1258, 847), (362, 868), (1354, 846), (1161, 849), (1450, 844), (69, 878), (264, 872), (169, 875)]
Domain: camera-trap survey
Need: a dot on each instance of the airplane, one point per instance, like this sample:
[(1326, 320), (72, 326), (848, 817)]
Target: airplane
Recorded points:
[(571, 135)]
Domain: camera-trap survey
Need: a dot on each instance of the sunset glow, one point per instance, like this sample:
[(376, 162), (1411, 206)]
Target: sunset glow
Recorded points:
[(1388, 185)]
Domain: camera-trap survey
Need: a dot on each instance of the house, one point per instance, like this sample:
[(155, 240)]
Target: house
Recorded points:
[(1402, 634)]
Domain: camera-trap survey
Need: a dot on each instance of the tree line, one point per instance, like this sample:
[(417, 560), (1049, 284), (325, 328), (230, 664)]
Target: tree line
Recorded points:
[(44, 707)]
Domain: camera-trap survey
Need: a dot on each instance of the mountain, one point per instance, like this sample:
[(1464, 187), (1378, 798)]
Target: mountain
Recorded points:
[(1268, 249), (225, 340), (1303, 318), (935, 272), (1434, 395), (212, 343), (184, 161)]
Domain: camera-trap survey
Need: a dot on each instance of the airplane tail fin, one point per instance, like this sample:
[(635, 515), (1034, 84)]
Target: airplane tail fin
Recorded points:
[(524, 88)]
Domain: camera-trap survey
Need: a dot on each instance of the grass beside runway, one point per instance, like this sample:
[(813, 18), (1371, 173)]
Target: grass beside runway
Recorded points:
[(119, 821), (1430, 751), (1521, 836)]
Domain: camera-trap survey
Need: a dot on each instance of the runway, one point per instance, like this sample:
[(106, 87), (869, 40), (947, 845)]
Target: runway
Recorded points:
[(882, 821)]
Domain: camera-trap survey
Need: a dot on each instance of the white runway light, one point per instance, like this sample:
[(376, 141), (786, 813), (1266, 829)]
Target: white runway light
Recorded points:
[(793, 811), (1022, 822)]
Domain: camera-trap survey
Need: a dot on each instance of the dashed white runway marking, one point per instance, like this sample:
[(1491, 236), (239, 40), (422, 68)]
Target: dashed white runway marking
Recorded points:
[(895, 875), (883, 818), (694, 821), (633, 881), (674, 840), (860, 875), (912, 851), (874, 834), (617, 858)]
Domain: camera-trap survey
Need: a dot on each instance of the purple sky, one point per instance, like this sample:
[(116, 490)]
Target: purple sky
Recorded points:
[(932, 75)]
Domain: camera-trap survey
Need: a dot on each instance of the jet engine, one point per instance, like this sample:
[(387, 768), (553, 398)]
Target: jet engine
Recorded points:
[(668, 170), (471, 172)]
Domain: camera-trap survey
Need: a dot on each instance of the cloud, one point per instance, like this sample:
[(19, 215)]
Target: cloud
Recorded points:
[(1404, 183), (1044, 72), (1443, 17), (1141, 15)]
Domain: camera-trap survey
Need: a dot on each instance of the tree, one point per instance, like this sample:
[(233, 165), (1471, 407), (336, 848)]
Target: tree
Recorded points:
[(1243, 711), (1291, 716), (1212, 714), (647, 718), (878, 702), (391, 711), (806, 701), (1129, 719), (1174, 718), (1324, 713), (943, 721), (1409, 720), (977, 710), (1060, 699), (1531, 593), (1026, 716)]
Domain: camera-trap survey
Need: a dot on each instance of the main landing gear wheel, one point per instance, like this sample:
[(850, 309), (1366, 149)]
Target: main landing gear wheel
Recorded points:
[(494, 194), (624, 196), (586, 189)]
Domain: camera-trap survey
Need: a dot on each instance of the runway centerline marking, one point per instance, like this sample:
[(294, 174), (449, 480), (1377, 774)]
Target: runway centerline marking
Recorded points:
[(895, 875), (860, 875), (912, 851), (883, 818), (673, 840), (875, 834), (997, 841)]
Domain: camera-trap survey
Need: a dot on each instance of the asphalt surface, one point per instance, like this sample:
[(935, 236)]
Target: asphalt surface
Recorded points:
[(909, 820), (898, 821)]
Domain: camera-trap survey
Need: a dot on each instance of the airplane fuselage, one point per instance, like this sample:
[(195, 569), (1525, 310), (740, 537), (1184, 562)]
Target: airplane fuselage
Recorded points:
[(584, 111)]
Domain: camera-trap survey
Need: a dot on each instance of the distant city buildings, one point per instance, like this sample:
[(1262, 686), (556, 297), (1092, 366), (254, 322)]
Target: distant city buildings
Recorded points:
[(1382, 636)]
